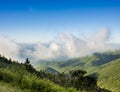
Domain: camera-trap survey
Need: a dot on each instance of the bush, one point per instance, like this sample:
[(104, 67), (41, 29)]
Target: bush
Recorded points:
[(9, 76), (26, 82)]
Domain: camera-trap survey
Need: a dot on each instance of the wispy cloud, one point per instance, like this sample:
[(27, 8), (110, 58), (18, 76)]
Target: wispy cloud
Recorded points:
[(66, 45)]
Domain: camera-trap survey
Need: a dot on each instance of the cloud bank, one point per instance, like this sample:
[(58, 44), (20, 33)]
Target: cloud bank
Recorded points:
[(9, 48), (65, 46)]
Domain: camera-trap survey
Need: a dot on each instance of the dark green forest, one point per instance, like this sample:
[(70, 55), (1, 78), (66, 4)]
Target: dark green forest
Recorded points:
[(25, 78)]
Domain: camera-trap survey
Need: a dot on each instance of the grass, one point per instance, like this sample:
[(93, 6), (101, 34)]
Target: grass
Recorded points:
[(5, 87), (105, 65), (109, 76)]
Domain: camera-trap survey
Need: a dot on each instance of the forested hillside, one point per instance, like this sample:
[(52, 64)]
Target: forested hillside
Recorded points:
[(23, 77), (104, 66)]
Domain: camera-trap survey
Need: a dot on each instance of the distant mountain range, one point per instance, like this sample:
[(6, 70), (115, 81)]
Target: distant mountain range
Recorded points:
[(104, 66)]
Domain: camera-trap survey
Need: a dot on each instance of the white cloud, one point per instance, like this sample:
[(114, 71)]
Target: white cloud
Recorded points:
[(99, 41), (102, 36), (9, 48), (66, 45)]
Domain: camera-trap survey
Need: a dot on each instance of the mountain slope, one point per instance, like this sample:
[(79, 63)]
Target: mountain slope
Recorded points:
[(5, 87), (15, 76), (105, 66), (109, 76)]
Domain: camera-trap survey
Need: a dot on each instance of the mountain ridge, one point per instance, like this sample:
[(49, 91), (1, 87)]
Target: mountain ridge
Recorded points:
[(100, 65)]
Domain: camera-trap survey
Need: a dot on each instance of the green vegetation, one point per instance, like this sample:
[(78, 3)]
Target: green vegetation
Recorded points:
[(109, 76), (5, 87), (104, 66), (15, 75), (65, 76), (24, 77)]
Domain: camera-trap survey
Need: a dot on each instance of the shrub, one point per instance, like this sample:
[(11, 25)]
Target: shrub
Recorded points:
[(26, 82)]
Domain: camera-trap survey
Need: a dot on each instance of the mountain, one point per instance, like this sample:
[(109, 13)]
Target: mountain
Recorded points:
[(16, 77), (104, 66), (23, 77), (5, 87), (109, 75)]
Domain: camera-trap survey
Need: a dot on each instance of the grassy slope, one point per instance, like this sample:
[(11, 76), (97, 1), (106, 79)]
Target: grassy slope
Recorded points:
[(106, 66), (10, 74), (109, 76), (5, 87)]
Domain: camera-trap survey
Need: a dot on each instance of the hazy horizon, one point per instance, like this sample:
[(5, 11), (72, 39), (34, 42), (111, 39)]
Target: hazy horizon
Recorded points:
[(43, 29)]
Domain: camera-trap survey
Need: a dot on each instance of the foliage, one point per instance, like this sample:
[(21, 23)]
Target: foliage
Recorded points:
[(104, 66), (23, 76)]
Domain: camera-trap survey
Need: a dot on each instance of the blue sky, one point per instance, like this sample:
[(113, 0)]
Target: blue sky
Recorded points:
[(41, 20)]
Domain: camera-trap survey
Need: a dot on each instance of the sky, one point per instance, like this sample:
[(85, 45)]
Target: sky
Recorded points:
[(30, 21), (50, 29)]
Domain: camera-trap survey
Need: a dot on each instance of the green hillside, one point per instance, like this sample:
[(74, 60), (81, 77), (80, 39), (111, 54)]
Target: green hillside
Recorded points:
[(5, 87), (104, 66), (109, 76), (15, 77), (103, 74), (23, 77)]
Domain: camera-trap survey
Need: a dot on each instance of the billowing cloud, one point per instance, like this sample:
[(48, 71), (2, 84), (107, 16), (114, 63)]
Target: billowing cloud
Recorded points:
[(99, 41), (9, 48), (65, 46)]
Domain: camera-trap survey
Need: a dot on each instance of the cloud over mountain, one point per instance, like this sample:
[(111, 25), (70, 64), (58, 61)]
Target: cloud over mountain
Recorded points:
[(65, 46), (9, 48)]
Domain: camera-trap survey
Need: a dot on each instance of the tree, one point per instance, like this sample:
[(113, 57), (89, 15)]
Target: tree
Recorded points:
[(27, 62), (78, 73), (29, 67), (82, 82)]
